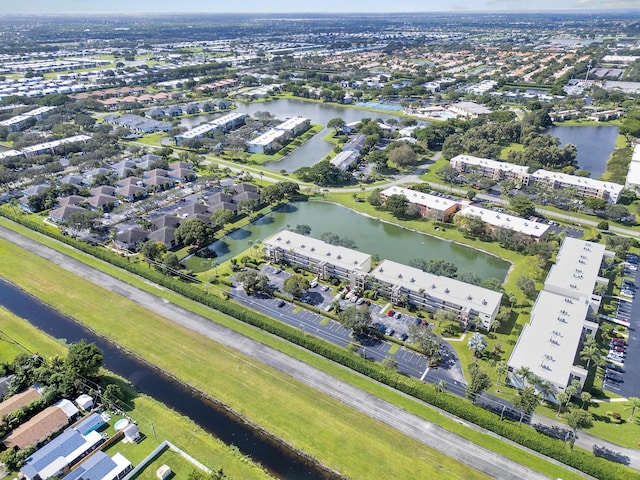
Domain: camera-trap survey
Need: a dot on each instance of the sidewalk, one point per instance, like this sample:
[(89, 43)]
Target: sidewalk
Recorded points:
[(616, 453)]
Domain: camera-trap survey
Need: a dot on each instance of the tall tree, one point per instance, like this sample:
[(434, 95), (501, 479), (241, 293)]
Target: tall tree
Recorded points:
[(477, 344), (194, 232), (84, 360), (296, 285), (634, 402), (355, 318)]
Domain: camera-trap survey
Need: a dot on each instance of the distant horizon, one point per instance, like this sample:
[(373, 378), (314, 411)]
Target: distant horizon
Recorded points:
[(330, 7)]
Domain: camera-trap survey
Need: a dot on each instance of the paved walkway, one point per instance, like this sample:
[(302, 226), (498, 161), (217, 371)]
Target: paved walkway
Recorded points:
[(421, 430), (433, 436)]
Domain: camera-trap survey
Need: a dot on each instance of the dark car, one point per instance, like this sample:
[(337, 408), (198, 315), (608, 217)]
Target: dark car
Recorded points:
[(613, 377), (615, 368), (281, 304), (404, 337)]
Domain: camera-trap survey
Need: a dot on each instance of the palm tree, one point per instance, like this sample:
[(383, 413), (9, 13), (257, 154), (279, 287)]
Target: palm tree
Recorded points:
[(495, 325), (634, 402), (535, 381), (441, 386), (589, 353), (547, 390), (524, 373), (561, 398), (477, 344), (501, 369), (586, 399)]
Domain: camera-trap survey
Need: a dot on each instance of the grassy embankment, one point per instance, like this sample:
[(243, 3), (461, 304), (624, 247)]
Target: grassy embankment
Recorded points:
[(273, 414), (264, 396), (19, 336)]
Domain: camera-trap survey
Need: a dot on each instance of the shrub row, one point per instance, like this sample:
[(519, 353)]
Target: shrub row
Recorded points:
[(466, 410)]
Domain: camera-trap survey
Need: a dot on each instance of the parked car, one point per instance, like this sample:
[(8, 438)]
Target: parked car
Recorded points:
[(615, 368), (325, 288), (360, 301), (382, 328), (404, 337), (281, 304), (398, 315), (277, 271), (391, 313), (390, 331), (614, 377), (313, 284), (619, 341)]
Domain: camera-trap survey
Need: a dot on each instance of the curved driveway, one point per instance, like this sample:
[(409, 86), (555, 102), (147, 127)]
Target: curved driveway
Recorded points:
[(492, 464)]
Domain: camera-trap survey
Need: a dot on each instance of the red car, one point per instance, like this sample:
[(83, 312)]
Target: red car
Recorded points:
[(390, 313)]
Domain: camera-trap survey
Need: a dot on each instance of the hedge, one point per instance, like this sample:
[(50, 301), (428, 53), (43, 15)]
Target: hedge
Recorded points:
[(584, 461)]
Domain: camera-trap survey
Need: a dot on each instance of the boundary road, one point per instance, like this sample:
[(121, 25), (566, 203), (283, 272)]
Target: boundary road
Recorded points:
[(465, 451)]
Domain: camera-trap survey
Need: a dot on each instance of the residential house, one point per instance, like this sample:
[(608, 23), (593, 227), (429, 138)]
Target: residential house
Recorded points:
[(60, 453), (166, 235), (130, 239), (44, 424), (60, 215), (99, 466)]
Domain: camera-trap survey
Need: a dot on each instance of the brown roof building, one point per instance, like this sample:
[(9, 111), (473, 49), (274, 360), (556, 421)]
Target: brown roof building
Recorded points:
[(17, 401), (42, 426)]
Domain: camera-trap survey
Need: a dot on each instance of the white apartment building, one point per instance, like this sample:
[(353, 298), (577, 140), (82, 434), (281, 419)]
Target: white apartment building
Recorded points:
[(323, 258), (428, 291), (562, 314), (430, 205), (433, 292), (583, 186), (535, 230), (491, 168)]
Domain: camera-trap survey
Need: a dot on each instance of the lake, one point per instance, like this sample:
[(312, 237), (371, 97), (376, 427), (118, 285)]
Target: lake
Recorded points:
[(595, 144), (369, 234), (320, 113)]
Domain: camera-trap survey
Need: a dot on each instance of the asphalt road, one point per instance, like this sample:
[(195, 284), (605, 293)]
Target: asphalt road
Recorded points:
[(492, 464)]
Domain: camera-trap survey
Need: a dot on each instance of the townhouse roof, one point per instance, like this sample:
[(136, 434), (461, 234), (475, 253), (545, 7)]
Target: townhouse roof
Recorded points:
[(41, 426)]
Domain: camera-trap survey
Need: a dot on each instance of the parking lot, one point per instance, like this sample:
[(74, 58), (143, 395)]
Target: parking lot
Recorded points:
[(620, 377), (373, 348)]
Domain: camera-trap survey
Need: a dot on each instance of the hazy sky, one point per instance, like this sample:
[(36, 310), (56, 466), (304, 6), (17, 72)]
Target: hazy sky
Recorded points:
[(297, 6)]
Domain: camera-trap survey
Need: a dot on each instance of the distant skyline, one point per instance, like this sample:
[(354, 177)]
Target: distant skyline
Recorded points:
[(289, 6)]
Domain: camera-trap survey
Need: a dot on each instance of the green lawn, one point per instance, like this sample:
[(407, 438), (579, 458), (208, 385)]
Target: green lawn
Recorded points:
[(180, 467), (327, 366), (514, 147), (168, 425), (262, 395)]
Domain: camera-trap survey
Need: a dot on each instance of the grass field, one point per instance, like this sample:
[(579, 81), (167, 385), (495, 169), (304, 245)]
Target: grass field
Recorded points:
[(18, 336), (381, 391), (264, 396)]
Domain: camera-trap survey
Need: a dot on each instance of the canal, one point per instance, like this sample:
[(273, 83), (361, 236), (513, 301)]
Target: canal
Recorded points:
[(281, 461), (370, 235), (595, 144)]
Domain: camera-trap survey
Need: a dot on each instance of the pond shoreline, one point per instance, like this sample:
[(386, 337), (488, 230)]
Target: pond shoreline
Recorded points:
[(511, 265)]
